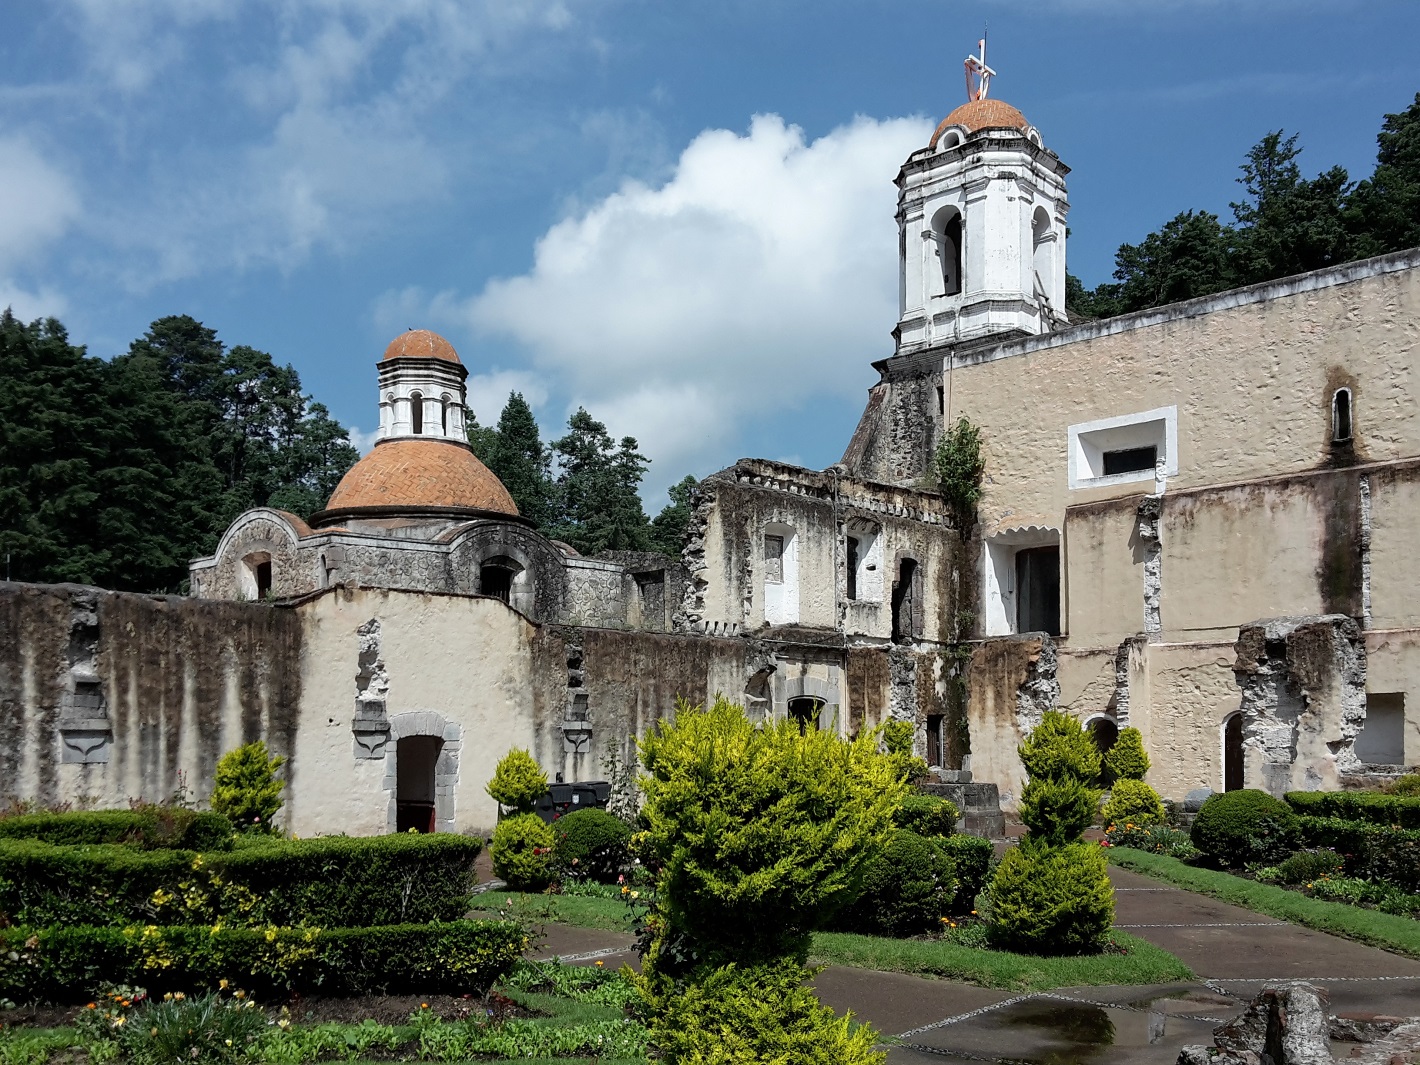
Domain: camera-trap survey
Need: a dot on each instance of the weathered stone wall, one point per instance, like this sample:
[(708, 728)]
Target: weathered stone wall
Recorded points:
[(107, 696)]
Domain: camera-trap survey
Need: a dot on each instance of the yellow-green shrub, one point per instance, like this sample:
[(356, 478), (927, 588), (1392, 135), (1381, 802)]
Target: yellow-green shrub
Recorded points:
[(1127, 759), (1051, 900), (522, 851), (1132, 802), (246, 790), (518, 781)]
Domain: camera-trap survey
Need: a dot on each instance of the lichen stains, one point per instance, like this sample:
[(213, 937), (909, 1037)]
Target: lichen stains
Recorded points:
[(867, 677), (34, 640), (999, 667), (1337, 497)]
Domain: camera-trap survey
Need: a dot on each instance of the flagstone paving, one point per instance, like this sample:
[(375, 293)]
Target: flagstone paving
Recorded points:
[(1233, 951)]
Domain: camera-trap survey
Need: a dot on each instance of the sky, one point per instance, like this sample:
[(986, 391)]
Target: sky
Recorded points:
[(679, 216)]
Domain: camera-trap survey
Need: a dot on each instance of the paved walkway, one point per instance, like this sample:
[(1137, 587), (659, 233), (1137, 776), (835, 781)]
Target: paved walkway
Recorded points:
[(1233, 951)]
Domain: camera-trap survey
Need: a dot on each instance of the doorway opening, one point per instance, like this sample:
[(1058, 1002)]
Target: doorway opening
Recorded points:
[(1038, 590), (1233, 753), (1105, 732), (416, 760), (805, 711), (904, 601)]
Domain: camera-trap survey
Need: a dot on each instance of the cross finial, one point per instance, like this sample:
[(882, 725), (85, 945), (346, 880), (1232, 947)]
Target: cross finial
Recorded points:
[(979, 73)]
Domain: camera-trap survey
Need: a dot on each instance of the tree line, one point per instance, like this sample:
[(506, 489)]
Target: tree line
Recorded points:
[(583, 488), (1285, 224), (117, 472)]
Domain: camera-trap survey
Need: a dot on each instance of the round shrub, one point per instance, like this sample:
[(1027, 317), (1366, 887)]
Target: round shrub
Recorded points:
[(1132, 802), (927, 815), (1306, 866), (1060, 749), (907, 889), (1126, 760), (1237, 827), (518, 781), (1051, 900), (1057, 811), (522, 852), (591, 845)]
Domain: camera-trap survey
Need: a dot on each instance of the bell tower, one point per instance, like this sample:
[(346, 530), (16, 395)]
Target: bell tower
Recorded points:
[(981, 226)]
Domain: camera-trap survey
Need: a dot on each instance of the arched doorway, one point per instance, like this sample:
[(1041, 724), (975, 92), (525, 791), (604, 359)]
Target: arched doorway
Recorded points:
[(1105, 732), (416, 760), (1233, 753), (805, 710)]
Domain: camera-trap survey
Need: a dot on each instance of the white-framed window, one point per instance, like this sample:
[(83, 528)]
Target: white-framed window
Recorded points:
[(781, 575), (1021, 586), (864, 562), (1133, 447)]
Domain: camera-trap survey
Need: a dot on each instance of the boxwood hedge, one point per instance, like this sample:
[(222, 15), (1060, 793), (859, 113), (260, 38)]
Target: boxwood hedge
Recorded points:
[(336, 881), (150, 827), (1394, 810), (1372, 852), (68, 963)]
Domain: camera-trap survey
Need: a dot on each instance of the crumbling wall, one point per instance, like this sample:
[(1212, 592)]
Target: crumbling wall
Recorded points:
[(1303, 683), (1011, 682), (897, 436)]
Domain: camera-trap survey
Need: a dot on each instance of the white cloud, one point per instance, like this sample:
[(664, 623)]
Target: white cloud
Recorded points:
[(760, 276), (28, 305), (37, 201)]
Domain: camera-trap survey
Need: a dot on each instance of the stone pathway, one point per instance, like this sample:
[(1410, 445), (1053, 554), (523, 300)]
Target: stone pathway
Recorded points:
[(1233, 951)]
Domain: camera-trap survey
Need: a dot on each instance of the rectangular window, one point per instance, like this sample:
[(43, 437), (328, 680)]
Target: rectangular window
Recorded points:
[(941, 399), (852, 564), (1381, 740), (934, 739), (1038, 590), (774, 559), (1130, 460)]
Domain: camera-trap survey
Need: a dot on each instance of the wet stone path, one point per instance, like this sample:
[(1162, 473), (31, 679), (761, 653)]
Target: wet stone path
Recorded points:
[(1234, 952)]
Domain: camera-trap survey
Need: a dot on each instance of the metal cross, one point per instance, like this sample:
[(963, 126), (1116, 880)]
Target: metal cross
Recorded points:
[(977, 70)]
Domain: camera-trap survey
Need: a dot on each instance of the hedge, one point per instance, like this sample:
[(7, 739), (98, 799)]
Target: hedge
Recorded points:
[(68, 963), (148, 827), (1393, 810), (337, 881), (1371, 851)]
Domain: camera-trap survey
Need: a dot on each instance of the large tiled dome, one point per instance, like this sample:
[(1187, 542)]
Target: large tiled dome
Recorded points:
[(420, 475)]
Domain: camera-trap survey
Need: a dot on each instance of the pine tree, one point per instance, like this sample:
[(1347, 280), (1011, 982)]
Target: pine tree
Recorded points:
[(1384, 211), (598, 489), (516, 454), (669, 526)]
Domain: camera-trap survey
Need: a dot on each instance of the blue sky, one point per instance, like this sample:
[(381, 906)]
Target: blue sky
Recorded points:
[(677, 215)]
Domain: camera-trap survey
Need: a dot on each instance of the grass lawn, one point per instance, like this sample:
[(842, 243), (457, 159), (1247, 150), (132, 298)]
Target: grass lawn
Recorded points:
[(1384, 930), (1143, 964)]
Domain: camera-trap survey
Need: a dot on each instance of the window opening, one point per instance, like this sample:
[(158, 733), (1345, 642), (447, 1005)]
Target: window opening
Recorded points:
[(416, 414), (934, 740), (1233, 753), (1130, 460), (497, 581), (805, 712), (263, 579), (852, 564), (1381, 740), (416, 761), (1341, 415), (904, 596), (1041, 239), (444, 414), (774, 559), (1038, 590), (942, 400)]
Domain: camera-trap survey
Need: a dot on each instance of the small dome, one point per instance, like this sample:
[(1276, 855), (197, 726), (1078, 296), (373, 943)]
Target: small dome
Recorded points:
[(421, 344), (420, 474), (982, 114)]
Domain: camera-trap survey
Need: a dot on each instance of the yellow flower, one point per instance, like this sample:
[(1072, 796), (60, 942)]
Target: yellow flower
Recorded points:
[(222, 984), (179, 996), (240, 993), (636, 894), (423, 1005), (599, 964), (118, 1021)]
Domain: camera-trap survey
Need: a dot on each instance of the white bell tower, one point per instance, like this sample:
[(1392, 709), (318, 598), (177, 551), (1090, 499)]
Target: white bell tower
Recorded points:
[(422, 391), (981, 226)]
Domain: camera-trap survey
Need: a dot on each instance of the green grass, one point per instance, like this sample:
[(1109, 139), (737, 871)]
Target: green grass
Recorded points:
[(1144, 964), (586, 911), (1384, 930)]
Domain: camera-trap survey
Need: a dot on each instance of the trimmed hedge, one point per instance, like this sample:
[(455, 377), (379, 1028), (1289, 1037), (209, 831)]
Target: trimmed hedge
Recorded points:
[(1237, 827), (927, 815), (907, 889), (1392, 810), (972, 857), (1371, 851), (336, 881), (591, 845), (150, 827), (68, 963)]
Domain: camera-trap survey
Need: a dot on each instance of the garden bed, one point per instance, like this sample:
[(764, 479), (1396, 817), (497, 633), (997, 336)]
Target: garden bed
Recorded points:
[(1387, 931)]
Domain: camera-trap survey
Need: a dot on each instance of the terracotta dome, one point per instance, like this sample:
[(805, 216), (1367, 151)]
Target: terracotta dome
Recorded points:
[(982, 114), (421, 344), (419, 474)]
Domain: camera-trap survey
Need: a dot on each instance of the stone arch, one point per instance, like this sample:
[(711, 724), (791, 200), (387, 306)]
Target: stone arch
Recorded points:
[(430, 724), (1103, 729), (819, 691)]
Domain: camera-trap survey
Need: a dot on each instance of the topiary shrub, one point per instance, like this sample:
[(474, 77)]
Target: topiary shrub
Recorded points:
[(907, 889), (972, 856), (1132, 802), (927, 815), (1057, 811), (750, 1014), (522, 852), (1126, 760), (1306, 866), (1238, 827), (1051, 900), (518, 781), (758, 835), (1060, 749), (245, 789), (591, 845)]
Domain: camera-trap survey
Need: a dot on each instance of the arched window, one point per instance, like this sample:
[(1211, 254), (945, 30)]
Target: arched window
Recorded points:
[(1105, 732), (444, 412), (1233, 752), (805, 712), (906, 605), (416, 413), (1341, 416), (256, 575), (1042, 252), (946, 234)]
